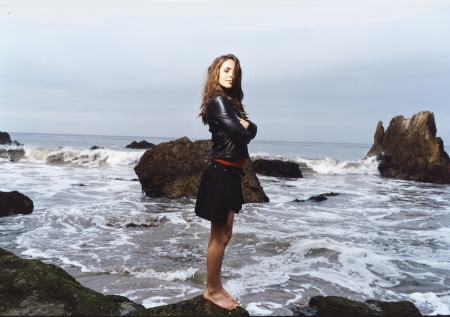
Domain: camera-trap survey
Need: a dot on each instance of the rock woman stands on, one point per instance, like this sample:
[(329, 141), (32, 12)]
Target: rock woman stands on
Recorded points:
[(220, 193)]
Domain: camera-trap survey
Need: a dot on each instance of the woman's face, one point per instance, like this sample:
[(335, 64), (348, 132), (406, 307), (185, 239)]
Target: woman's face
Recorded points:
[(226, 73)]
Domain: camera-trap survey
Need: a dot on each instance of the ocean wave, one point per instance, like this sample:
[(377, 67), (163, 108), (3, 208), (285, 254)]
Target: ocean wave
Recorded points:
[(368, 166), (83, 157)]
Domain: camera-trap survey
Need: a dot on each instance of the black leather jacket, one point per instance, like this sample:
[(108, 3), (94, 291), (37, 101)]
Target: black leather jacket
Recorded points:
[(229, 137)]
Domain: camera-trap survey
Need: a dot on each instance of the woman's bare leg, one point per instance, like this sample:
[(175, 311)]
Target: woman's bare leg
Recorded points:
[(220, 236)]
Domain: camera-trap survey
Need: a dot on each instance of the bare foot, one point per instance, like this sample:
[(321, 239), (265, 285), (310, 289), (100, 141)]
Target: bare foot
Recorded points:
[(220, 300), (227, 295)]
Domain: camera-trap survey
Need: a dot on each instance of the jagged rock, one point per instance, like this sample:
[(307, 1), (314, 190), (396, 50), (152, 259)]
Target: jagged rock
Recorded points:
[(96, 147), (5, 138), (410, 150), (196, 306), (34, 288), (336, 306), (140, 145), (14, 203), (320, 197), (277, 168), (173, 169)]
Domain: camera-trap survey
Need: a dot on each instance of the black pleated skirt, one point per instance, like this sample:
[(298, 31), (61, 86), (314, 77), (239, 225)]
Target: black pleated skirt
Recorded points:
[(220, 191)]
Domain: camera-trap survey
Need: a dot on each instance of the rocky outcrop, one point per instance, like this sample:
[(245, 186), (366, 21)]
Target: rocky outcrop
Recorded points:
[(14, 203), (277, 168), (320, 197), (410, 150), (140, 145), (6, 139), (336, 306), (173, 169), (96, 147), (196, 306), (33, 288)]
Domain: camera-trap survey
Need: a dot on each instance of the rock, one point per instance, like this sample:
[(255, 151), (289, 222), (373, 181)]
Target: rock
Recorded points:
[(196, 306), (277, 168), (140, 145), (31, 287), (95, 147), (410, 150), (14, 203), (5, 139), (173, 169), (336, 306), (320, 197)]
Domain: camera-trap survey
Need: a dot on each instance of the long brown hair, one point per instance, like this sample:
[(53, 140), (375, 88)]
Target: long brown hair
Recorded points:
[(213, 88)]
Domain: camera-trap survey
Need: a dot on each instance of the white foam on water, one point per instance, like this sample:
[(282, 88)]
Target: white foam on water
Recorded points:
[(331, 166), (177, 275), (439, 304), (154, 301), (83, 157), (254, 309)]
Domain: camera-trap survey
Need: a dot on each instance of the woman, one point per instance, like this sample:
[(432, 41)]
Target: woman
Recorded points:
[(220, 193)]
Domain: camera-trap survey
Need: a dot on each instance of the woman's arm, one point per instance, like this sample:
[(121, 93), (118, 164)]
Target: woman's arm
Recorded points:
[(222, 111)]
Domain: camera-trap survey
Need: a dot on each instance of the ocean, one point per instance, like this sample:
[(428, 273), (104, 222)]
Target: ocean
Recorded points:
[(379, 238)]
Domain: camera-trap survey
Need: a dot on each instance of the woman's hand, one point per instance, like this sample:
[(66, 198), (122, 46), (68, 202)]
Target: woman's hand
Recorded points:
[(244, 123)]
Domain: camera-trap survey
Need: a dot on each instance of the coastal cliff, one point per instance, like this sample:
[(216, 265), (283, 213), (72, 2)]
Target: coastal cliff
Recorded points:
[(410, 150)]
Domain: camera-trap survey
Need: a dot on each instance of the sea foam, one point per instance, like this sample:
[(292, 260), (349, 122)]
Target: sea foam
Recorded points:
[(83, 157)]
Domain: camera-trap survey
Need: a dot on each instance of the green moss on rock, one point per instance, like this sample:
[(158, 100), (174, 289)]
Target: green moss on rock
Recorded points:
[(336, 306), (31, 287), (196, 306)]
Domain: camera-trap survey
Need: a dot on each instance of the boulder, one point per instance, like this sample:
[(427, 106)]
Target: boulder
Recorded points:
[(34, 288), (173, 169), (277, 168), (140, 145), (196, 306), (410, 150), (96, 147), (14, 203), (320, 197), (336, 306), (6, 139)]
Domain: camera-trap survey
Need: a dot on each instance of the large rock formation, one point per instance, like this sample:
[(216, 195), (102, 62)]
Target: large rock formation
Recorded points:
[(336, 306), (277, 168), (173, 169), (410, 150), (6, 139), (196, 306), (140, 145), (14, 203), (34, 288)]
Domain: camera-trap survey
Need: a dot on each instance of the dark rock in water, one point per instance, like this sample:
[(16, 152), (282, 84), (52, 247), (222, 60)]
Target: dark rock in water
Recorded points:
[(95, 147), (5, 139), (336, 306), (140, 145), (196, 306), (320, 197), (14, 203), (173, 169), (410, 150), (277, 168), (33, 288)]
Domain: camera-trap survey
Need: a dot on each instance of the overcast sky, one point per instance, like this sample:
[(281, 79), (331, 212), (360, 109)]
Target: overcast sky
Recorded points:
[(318, 71)]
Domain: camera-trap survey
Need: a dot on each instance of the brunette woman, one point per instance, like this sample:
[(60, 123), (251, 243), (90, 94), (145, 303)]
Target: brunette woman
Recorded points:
[(220, 193)]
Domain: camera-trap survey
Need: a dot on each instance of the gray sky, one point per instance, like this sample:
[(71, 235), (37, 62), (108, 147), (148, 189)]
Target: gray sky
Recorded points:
[(319, 71)]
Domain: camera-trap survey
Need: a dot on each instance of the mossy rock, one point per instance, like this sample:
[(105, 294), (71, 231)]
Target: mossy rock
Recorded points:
[(196, 306), (336, 306), (31, 288)]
